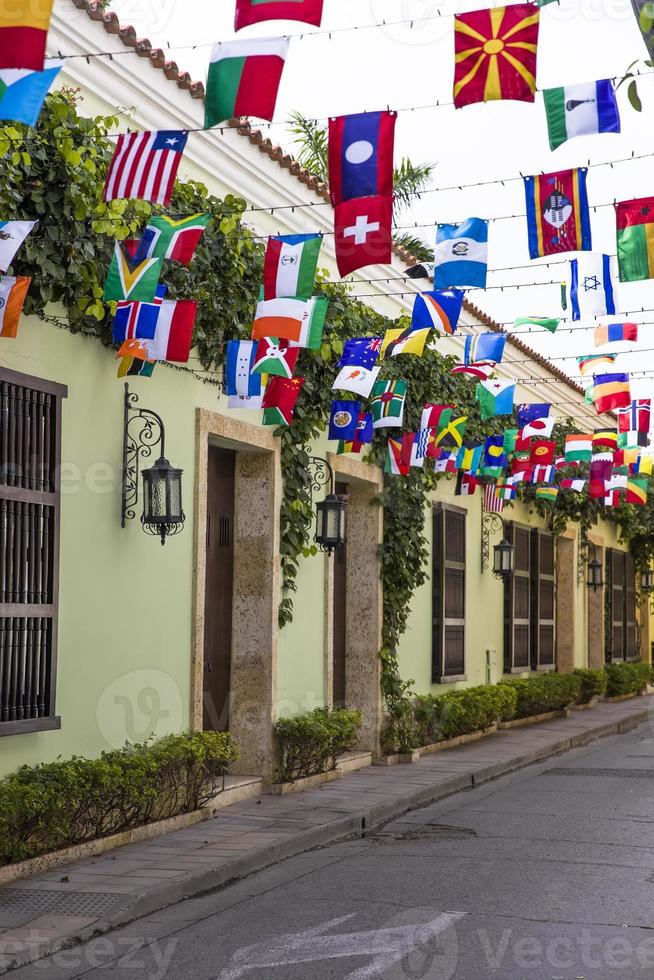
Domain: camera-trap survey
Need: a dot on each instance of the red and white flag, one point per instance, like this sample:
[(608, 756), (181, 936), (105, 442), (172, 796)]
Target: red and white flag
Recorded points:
[(174, 331), (144, 166), (492, 503), (362, 229)]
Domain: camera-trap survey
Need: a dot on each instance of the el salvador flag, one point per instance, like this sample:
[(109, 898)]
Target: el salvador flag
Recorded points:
[(461, 254)]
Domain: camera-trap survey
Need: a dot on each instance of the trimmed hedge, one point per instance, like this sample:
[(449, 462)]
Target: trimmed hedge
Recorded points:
[(540, 694), (55, 805), (443, 716), (310, 744), (593, 684), (627, 678)]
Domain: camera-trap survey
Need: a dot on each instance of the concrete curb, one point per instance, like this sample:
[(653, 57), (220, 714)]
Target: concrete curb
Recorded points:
[(353, 825)]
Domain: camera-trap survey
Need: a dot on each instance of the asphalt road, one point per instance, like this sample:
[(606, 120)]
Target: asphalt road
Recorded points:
[(547, 874)]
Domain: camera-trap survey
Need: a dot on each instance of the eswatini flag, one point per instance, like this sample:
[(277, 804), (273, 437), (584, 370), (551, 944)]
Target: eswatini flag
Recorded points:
[(244, 79), (290, 265), (255, 11), (23, 33)]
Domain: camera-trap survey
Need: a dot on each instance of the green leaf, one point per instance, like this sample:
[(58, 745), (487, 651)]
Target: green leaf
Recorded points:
[(633, 96)]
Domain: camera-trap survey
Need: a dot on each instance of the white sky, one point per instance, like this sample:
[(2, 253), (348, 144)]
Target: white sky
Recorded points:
[(402, 66)]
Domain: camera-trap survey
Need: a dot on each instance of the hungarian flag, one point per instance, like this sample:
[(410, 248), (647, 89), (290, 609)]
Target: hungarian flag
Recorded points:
[(495, 54), (558, 218), (256, 11), (361, 155), (290, 264), (275, 357), (23, 33), (280, 400), (23, 92), (131, 279), (13, 292), (174, 331), (578, 447), (244, 78), (172, 237), (635, 239), (363, 233)]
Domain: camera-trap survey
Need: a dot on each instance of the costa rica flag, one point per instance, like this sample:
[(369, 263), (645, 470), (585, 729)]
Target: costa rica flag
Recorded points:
[(361, 155)]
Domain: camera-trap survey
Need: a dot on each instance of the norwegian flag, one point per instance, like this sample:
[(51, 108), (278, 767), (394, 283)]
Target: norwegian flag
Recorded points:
[(145, 166), (635, 418), (492, 503)]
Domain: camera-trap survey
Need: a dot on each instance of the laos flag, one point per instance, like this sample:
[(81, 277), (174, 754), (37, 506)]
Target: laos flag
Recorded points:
[(361, 155)]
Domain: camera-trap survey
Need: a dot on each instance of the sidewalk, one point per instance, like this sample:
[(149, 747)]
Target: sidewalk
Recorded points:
[(70, 904)]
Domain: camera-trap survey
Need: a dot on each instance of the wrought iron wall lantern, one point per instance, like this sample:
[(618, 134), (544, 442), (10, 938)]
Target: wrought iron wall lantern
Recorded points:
[(330, 512), (503, 553), (647, 580), (143, 432), (595, 577)]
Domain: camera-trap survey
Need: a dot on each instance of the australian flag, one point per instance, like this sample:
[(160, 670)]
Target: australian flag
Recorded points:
[(361, 155), (138, 321), (360, 352)]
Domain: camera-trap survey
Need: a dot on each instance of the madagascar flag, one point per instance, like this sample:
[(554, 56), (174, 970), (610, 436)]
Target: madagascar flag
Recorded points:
[(23, 33), (635, 239), (558, 219)]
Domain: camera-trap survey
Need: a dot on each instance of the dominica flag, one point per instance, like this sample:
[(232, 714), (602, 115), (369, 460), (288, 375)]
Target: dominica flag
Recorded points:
[(388, 399), (635, 239), (23, 92), (290, 264), (495, 398), (131, 279), (13, 293), (590, 362), (280, 399), (578, 448), (615, 333), (256, 11), (23, 33), (439, 309), (244, 78), (546, 322), (611, 391), (173, 237), (581, 110)]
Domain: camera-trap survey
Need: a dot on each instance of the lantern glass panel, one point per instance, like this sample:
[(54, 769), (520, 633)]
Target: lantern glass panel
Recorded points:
[(503, 559)]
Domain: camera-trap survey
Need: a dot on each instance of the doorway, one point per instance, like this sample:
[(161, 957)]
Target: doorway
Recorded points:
[(339, 617), (219, 588)]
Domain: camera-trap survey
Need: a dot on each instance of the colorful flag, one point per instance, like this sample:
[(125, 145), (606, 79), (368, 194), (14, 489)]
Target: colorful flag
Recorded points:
[(281, 318), (432, 415), (637, 491), (290, 265), (439, 309), (365, 431), (131, 279), (399, 340), (144, 166), (492, 502), (631, 438), (243, 389), (360, 352), (558, 219), (635, 239), (532, 412), (138, 320), (257, 11), (172, 237), (137, 349), (23, 92), (495, 398), (578, 448), (23, 33), (605, 439), (135, 367), (414, 446), (348, 447), (548, 494), (611, 391), (280, 399), (313, 323), (484, 347), (461, 255), (522, 470), (358, 380), (546, 322), (494, 454), (395, 465), (275, 357), (343, 420), (581, 110), (388, 399), (12, 236), (13, 293), (244, 79), (481, 370), (361, 155), (495, 54), (505, 488), (599, 476), (445, 461), (636, 416), (466, 485), (592, 286), (174, 331), (543, 451), (543, 473), (469, 457), (362, 233), (615, 333), (577, 486), (449, 432), (588, 363)]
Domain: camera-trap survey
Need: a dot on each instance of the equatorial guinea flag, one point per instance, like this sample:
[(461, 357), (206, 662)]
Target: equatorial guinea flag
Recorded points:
[(290, 265), (256, 11), (23, 33), (243, 79)]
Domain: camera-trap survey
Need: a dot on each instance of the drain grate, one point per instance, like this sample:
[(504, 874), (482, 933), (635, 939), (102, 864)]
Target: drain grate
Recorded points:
[(427, 832), (23, 900), (26, 900), (86, 903), (608, 773)]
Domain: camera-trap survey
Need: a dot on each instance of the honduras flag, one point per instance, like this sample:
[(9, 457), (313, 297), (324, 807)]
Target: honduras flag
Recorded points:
[(592, 285), (461, 254), (23, 92)]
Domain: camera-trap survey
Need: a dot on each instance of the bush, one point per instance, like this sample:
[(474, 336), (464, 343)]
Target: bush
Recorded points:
[(47, 807), (547, 692), (627, 678), (593, 684), (444, 716), (311, 743)]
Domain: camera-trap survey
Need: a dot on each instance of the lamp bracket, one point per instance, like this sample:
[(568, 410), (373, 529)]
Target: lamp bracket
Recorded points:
[(143, 431), (320, 474), (490, 522)]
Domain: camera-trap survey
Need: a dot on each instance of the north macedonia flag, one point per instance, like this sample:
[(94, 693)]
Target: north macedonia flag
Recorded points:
[(495, 54)]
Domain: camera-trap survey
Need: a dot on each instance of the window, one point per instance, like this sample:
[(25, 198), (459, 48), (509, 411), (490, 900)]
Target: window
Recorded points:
[(30, 453), (448, 595), (529, 602), (621, 624)]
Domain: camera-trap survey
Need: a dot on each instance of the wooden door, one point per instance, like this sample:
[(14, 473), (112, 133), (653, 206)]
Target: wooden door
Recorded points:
[(219, 588), (339, 618)]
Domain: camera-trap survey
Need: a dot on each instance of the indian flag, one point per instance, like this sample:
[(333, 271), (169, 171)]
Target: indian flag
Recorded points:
[(281, 318), (635, 239), (578, 448), (290, 265), (244, 79), (581, 110)]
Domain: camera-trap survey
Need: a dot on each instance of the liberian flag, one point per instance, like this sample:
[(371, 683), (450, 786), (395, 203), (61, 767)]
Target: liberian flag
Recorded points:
[(23, 33), (439, 309), (244, 78), (282, 318), (290, 265), (144, 166), (13, 292)]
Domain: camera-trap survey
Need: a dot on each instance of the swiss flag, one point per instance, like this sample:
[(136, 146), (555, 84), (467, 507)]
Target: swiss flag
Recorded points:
[(363, 232)]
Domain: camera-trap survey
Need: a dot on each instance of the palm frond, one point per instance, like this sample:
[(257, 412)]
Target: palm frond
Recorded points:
[(311, 139), (415, 246), (409, 180)]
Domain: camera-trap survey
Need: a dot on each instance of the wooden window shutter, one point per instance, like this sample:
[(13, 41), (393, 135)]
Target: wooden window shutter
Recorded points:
[(448, 594), (616, 607), (542, 601), (517, 602), (631, 651), (30, 456)]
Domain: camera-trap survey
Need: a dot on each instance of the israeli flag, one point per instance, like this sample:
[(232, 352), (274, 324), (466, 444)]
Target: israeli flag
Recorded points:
[(461, 254), (592, 285)]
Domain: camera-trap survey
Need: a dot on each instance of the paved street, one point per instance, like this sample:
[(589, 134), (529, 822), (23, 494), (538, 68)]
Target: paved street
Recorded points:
[(546, 873)]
